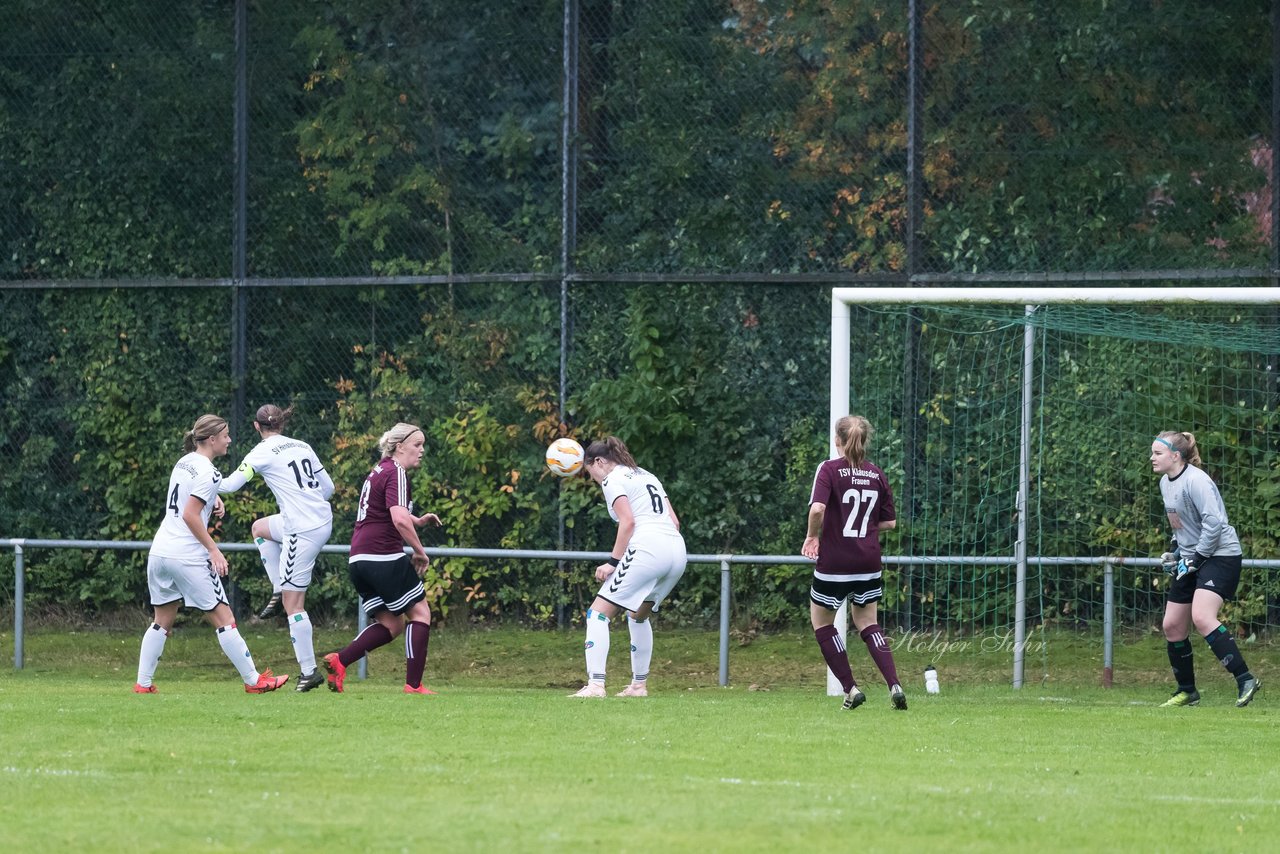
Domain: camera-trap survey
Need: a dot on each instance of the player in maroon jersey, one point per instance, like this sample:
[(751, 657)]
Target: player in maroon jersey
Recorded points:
[(389, 581), (846, 545)]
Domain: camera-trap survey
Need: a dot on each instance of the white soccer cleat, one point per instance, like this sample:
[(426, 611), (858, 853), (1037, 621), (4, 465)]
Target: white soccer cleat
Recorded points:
[(635, 689), (593, 690)]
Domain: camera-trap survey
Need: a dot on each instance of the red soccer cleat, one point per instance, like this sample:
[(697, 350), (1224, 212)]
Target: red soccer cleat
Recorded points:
[(144, 689), (266, 682), (337, 671), (421, 689)]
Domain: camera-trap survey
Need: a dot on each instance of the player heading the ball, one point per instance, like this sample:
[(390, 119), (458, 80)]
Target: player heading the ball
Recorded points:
[(647, 559)]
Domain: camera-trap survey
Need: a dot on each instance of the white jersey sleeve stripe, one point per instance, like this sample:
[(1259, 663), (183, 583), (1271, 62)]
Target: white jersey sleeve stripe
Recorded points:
[(813, 489)]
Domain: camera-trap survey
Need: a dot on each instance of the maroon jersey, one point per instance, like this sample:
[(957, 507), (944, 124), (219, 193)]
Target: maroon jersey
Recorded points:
[(375, 535), (858, 499)]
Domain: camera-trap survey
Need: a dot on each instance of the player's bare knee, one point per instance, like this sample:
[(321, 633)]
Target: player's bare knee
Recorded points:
[(420, 612), (220, 617), (1206, 623), (605, 608)]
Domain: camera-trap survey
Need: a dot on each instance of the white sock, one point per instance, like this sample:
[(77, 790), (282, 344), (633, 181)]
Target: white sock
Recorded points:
[(234, 648), (597, 645), (641, 648), (300, 634), (270, 551), (152, 646)]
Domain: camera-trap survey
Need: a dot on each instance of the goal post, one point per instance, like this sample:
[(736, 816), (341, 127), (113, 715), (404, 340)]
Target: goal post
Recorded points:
[(844, 300)]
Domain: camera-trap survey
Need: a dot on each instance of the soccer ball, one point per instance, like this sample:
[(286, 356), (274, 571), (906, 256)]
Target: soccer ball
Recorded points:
[(564, 457)]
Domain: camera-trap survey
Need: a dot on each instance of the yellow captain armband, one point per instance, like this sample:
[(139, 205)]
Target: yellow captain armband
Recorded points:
[(246, 470)]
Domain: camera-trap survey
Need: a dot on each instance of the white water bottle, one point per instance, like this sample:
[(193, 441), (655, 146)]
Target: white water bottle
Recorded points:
[(930, 680)]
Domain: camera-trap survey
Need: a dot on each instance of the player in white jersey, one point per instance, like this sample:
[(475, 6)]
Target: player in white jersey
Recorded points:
[(186, 565), (647, 560), (289, 541), (1205, 566)]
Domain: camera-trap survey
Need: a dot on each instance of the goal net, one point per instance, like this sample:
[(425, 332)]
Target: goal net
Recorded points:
[(1016, 426)]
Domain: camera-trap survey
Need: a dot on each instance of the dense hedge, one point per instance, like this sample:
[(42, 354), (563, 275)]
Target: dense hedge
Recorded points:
[(747, 138)]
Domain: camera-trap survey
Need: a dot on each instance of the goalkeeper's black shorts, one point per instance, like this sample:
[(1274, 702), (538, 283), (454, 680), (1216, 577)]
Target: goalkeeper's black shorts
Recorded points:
[(1220, 574)]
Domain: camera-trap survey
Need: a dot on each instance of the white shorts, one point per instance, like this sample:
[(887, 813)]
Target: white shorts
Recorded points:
[(298, 552), (193, 581), (648, 572)]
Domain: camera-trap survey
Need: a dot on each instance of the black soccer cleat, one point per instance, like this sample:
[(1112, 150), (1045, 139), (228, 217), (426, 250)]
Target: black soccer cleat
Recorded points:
[(271, 609), (854, 699), (898, 698), (307, 681)]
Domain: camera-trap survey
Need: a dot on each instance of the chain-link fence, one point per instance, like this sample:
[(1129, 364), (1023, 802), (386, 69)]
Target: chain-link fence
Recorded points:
[(511, 221), (752, 138)]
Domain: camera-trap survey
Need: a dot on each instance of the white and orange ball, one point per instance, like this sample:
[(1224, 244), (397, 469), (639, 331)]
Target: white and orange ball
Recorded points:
[(565, 457)]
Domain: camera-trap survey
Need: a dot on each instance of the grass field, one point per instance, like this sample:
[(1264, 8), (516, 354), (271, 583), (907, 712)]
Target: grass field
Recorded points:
[(501, 758)]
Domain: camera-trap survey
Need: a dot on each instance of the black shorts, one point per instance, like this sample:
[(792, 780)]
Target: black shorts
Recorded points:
[(831, 594), (390, 584), (1219, 574)]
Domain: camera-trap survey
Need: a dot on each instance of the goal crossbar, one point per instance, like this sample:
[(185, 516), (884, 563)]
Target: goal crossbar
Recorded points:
[(1040, 296)]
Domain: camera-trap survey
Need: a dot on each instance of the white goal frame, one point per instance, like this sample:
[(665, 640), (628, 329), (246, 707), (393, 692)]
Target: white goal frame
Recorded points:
[(842, 300)]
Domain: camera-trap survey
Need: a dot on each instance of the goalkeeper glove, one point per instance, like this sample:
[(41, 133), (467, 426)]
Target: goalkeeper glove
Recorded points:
[(1169, 563), (1189, 565)]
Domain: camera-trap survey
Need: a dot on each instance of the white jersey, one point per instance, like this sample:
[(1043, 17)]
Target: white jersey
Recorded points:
[(646, 496), (193, 475), (654, 558), (297, 479)]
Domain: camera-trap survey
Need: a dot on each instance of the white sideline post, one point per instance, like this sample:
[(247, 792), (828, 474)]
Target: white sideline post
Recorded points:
[(839, 406)]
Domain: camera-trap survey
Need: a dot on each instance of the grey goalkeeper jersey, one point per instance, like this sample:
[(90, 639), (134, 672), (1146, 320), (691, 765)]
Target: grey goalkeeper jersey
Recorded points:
[(1197, 514)]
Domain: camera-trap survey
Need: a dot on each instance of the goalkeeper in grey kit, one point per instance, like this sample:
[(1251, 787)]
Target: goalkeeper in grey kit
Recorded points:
[(1205, 567)]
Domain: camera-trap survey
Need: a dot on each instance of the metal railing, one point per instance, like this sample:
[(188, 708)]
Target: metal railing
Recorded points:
[(725, 562)]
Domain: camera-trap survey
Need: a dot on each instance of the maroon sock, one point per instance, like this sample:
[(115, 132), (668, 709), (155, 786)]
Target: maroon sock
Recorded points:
[(873, 637), (416, 636), (373, 636), (837, 659)]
